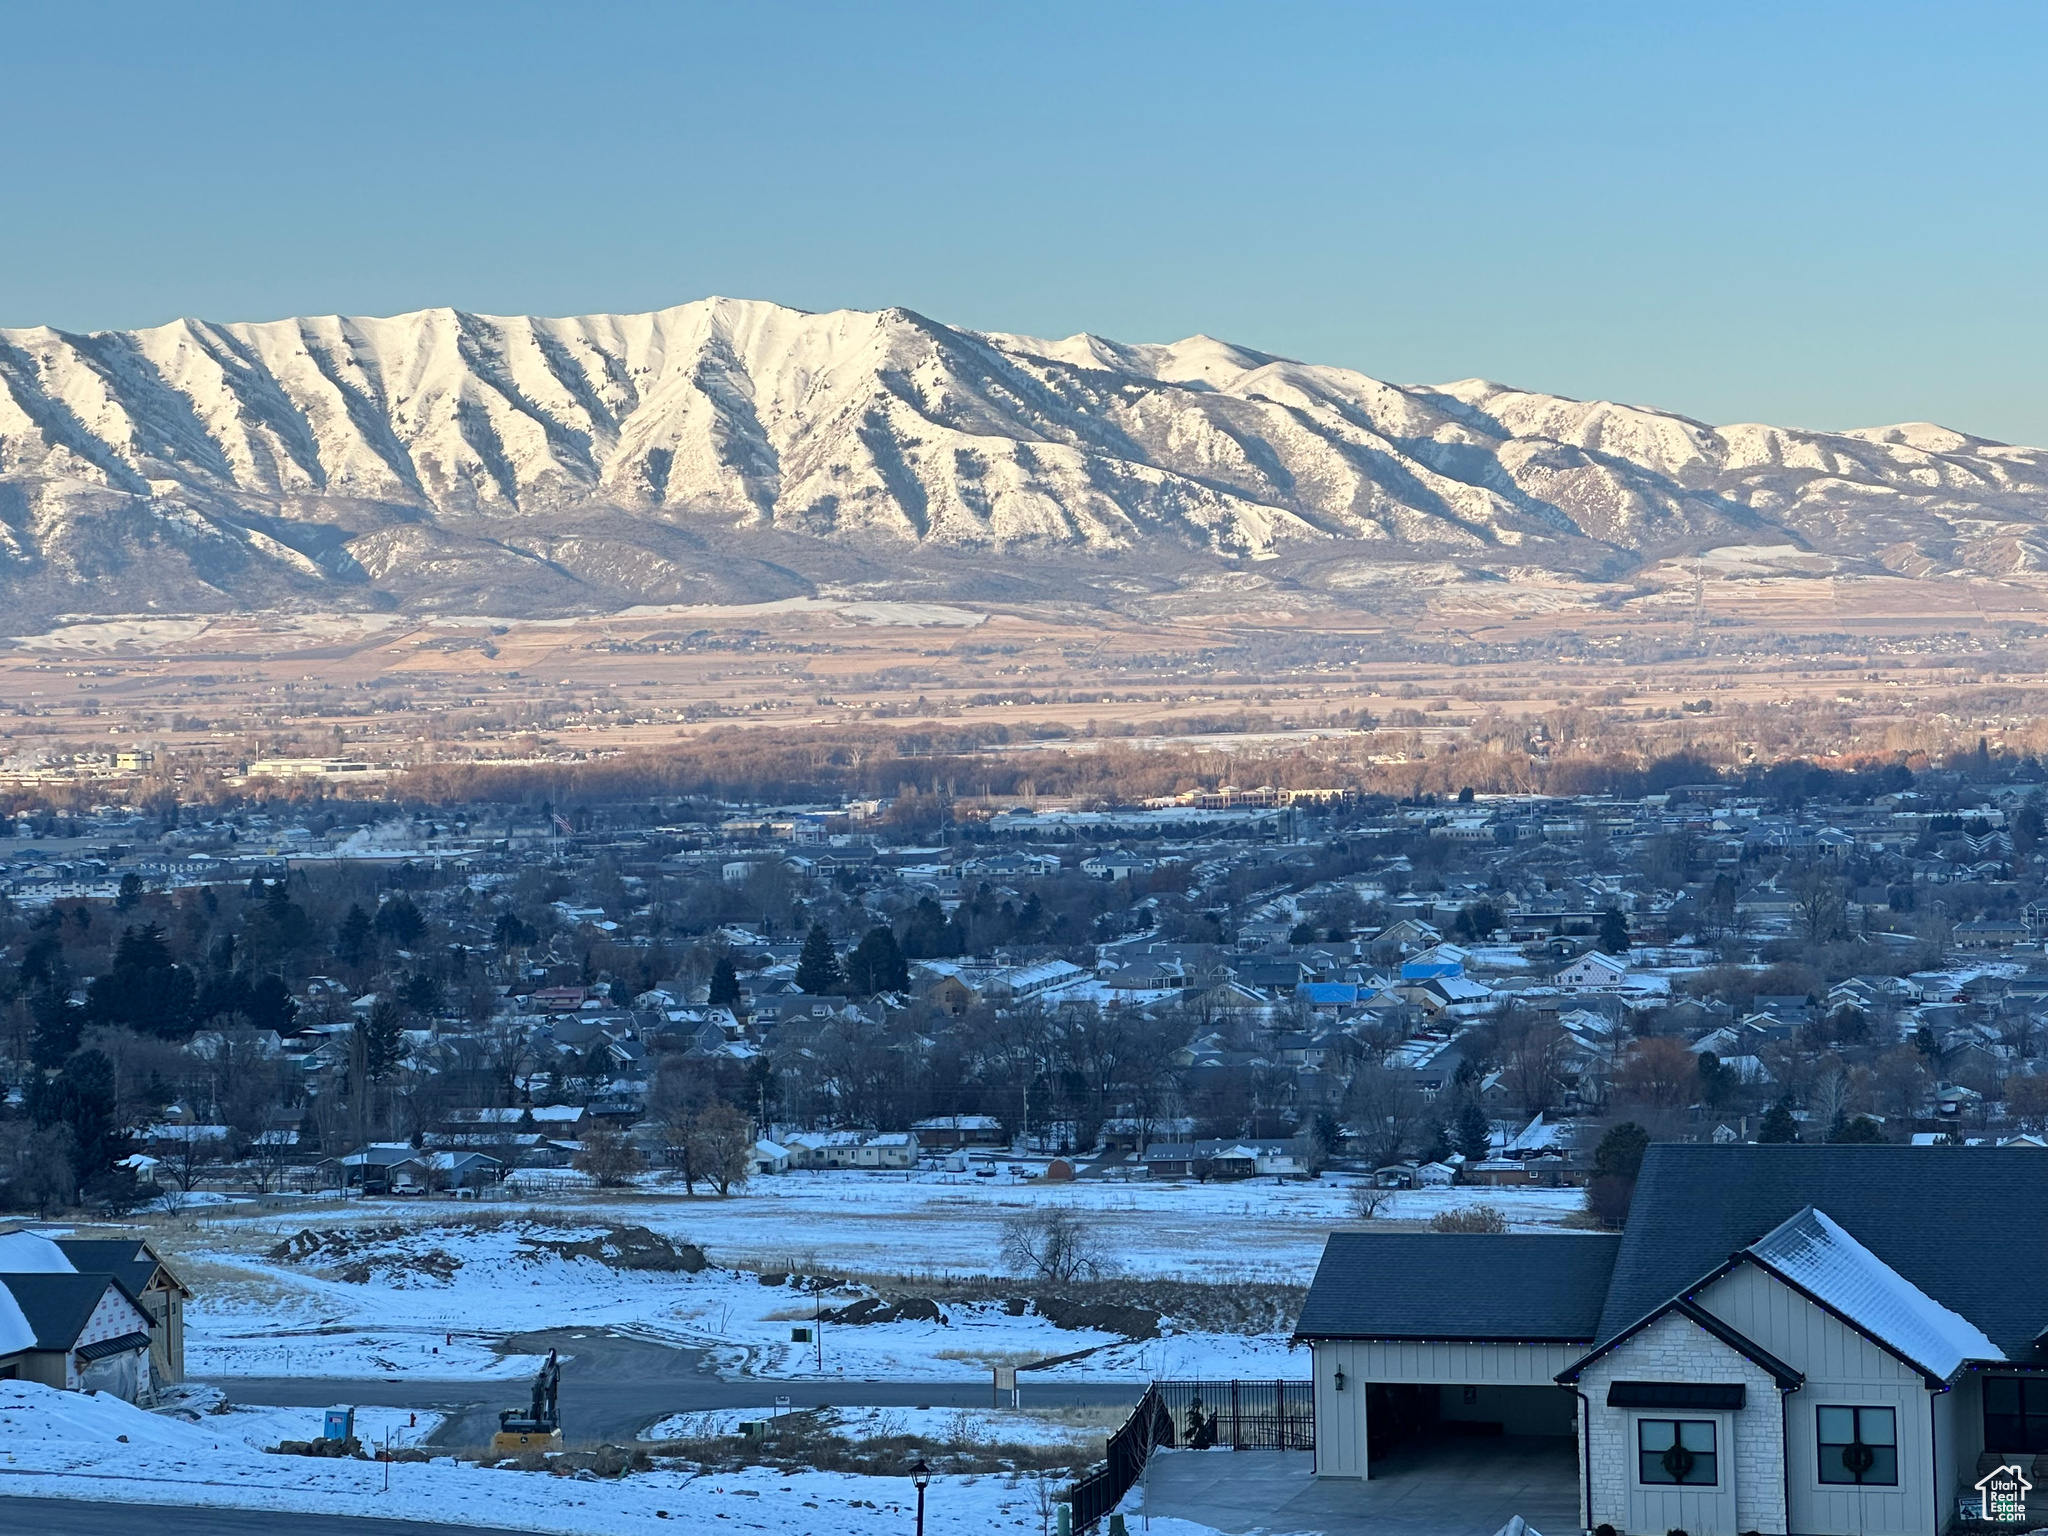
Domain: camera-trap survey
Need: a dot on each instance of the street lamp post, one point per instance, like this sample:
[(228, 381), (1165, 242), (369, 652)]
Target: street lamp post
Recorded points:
[(921, 1475)]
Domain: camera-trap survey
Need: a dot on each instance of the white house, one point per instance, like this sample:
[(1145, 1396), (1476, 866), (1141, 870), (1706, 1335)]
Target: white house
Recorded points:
[(1593, 971), (1815, 1339)]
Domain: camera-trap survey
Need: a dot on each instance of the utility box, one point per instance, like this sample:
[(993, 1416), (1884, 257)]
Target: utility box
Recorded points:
[(754, 1429), (339, 1424), (801, 1336)]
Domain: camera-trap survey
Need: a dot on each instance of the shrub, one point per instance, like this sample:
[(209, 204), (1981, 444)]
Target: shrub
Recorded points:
[(1473, 1218)]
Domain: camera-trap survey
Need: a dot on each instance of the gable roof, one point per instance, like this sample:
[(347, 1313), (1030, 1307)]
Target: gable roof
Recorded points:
[(1965, 1226), (57, 1307), (1686, 1307), (1811, 1253), (1507, 1287), (129, 1260)]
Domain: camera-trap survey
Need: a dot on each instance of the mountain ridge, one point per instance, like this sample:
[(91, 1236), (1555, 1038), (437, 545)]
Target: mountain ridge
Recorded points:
[(599, 460)]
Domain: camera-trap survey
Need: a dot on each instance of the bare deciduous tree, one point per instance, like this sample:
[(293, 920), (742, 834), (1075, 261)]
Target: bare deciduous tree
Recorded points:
[(607, 1156), (1054, 1244)]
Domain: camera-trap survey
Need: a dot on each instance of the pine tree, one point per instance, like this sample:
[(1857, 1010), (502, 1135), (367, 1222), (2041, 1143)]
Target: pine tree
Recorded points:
[(817, 968), (1620, 1153), (353, 939), (1475, 1136), (1778, 1124), (384, 1042), (877, 964), (725, 984), (1613, 932)]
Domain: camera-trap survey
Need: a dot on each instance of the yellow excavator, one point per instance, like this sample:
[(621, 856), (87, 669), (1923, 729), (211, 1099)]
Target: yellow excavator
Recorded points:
[(539, 1427)]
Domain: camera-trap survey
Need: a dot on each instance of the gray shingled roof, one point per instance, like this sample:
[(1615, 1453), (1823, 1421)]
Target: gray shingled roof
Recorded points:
[(57, 1306), (122, 1257), (1967, 1225), (1520, 1287)]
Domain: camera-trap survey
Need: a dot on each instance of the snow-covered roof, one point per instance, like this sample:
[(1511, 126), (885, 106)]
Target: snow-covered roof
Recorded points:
[(1812, 1251), (15, 1330), (30, 1253)]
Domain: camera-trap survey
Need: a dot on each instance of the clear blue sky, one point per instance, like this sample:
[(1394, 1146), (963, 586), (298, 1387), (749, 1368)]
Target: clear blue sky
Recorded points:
[(1822, 215)]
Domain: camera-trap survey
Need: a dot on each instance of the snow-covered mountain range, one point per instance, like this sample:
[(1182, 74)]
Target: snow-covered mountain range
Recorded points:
[(447, 457)]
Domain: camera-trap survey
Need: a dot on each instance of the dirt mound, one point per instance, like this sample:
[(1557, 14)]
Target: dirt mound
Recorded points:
[(630, 1248), (872, 1309), (381, 1252), (1102, 1316), (1138, 1309)]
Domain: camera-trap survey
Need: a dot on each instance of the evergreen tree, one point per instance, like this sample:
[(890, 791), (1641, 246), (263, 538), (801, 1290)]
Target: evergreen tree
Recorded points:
[(383, 1039), (1475, 1136), (145, 989), (725, 984), (877, 964), (399, 921), (81, 1099), (1778, 1124), (278, 928), (1613, 932), (1861, 1129), (56, 1024), (817, 968), (1620, 1153), (354, 940)]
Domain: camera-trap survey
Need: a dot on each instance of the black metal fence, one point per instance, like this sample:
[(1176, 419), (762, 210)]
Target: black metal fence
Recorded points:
[(1243, 1415), (1129, 1449), (1199, 1416)]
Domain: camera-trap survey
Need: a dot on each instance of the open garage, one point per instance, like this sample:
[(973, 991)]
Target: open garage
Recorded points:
[(1436, 1358)]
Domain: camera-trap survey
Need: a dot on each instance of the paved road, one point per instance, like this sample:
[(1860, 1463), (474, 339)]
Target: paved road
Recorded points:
[(81, 1517), (613, 1387)]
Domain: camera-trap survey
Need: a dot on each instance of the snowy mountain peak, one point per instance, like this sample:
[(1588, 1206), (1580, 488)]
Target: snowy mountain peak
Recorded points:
[(403, 450)]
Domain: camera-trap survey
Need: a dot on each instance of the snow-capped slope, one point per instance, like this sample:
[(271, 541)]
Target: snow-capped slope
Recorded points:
[(443, 451)]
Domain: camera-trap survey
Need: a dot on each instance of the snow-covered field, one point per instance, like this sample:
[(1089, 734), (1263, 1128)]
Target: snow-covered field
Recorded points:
[(90, 1446), (453, 1279)]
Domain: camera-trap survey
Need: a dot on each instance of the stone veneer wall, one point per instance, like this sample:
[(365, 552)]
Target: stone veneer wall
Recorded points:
[(1674, 1348)]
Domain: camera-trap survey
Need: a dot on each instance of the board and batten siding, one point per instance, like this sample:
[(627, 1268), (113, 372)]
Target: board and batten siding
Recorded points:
[(1842, 1369), (1340, 1415)]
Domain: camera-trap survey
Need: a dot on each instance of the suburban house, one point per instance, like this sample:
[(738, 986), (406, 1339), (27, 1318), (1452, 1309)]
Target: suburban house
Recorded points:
[(1593, 970), (1811, 1339), (68, 1340)]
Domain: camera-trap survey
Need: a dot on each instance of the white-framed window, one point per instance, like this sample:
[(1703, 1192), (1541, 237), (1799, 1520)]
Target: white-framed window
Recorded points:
[(1678, 1452), (1858, 1445)]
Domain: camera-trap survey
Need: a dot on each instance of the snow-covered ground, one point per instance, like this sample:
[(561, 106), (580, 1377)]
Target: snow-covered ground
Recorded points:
[(455, 1278), (90, 1446)]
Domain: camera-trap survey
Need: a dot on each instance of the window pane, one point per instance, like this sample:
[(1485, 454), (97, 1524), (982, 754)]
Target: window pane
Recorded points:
[(1654, 1434), (1652, 1469), (1832, 1467), (1884, 1466), (1703, 1469), (1874, 1426), (1697, 1435), (2001, 1394), (2004, 1432), (1837, 1426)]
